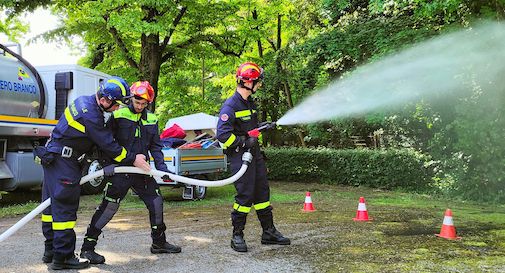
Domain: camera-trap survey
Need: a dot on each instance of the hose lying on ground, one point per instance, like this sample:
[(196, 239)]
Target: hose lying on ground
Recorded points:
[(246, 158)]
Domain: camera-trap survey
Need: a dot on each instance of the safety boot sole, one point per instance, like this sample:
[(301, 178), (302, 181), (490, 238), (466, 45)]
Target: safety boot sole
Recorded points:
[(269, 242), (160, 251), (69, 266)]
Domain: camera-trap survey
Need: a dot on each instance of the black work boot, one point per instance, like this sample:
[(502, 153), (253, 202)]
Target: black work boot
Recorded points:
[(71, 262), (92, 256), (48, 256), (271, 236), (158, 248), (48, 252), (237, 240)]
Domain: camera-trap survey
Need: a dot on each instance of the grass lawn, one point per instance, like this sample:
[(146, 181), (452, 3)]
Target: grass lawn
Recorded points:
[(399, 239)]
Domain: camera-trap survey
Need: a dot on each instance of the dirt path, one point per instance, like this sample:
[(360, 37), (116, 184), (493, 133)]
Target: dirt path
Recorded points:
[(203, 234), (399, 239)]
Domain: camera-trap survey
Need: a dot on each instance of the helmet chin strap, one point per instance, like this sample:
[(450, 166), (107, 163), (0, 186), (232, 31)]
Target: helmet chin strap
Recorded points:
[(249, 88), (104, 109)]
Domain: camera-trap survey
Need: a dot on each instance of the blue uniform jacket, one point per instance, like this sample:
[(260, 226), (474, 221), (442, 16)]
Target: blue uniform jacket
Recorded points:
[(138, 133), (82, 127), (236, 118)]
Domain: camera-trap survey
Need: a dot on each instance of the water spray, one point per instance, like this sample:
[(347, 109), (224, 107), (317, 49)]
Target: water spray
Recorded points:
[(444, 65)]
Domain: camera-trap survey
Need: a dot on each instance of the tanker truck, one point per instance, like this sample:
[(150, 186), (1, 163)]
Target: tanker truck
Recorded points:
[(31, 102)]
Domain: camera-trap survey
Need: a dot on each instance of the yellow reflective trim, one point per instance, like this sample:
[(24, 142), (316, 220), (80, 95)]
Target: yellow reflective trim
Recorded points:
[(261, 205), (151, 119), (28, 121), (122, 156), (63, 225), (47, 218), (240, 208), (196, 158), (164, 158), (243, 113), (230, 141), (89, 239), (127, 114), (116, 82), (249, 66), (72, 123)]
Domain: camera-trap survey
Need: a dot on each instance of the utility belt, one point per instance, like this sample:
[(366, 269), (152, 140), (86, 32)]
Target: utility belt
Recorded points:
[(69, 152), (63, 150)]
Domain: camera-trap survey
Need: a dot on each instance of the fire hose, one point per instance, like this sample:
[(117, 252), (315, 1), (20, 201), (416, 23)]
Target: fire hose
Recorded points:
[(246, 159)]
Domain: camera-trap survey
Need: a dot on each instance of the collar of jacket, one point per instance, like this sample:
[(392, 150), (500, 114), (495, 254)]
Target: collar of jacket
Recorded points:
[(143, 113)]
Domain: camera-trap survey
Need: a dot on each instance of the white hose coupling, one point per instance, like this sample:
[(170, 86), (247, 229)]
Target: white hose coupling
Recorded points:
[(247, 156)]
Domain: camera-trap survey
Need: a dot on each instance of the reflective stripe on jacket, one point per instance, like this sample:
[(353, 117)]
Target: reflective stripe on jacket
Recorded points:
[(82, 126)]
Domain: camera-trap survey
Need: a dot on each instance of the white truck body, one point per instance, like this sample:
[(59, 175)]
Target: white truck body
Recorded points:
[(86, 82), (29, 108)]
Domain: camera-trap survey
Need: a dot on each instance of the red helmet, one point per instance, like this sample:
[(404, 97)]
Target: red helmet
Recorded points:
[(249, 71), (142, 90)]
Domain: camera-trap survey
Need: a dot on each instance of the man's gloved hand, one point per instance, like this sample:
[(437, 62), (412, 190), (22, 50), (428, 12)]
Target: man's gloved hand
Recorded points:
[(250, 142), (109, 170)]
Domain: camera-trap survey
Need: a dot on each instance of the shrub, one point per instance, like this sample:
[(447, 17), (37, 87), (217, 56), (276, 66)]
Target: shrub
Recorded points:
[(385, 169)]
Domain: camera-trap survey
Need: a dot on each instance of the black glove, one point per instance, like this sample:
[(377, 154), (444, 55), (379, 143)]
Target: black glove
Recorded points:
[(166, 178), (109, 170), (250, 142)]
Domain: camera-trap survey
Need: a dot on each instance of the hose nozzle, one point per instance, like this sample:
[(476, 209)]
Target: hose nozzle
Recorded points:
[(267, 125)]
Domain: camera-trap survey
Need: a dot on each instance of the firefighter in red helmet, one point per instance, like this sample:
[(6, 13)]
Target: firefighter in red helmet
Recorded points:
[(79, 130), (137, 129), (238, 115)]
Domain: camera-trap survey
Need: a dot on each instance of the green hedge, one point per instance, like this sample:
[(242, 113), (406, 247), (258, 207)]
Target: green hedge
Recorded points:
[(386, 169)]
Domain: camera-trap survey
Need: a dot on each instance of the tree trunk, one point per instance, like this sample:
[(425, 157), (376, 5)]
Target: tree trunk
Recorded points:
[(260, 47), (284, 82), (150, 62)]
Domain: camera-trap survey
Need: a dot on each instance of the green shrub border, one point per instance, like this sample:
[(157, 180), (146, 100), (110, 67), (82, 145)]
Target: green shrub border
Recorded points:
[(385, 169)]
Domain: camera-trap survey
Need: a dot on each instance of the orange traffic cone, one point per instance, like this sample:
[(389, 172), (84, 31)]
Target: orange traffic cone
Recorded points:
[(362, 213), (448, 231), (308, 206)]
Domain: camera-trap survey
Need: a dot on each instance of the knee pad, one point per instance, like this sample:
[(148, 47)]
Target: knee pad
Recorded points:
[(158, 209), (108, 210)]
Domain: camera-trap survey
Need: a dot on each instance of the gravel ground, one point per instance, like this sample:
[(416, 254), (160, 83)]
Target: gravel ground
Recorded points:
[(204, 236)]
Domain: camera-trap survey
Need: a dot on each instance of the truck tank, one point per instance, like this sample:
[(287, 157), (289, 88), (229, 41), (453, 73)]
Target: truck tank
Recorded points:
[(22, 91), (31, 102), (22, 121)]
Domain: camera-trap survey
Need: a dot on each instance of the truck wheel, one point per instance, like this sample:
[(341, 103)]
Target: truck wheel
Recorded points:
[(96, 185), (200, 192)]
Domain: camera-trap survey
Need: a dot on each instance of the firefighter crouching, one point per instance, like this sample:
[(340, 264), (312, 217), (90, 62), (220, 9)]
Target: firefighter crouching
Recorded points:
[(135, 128), (77, 131), (238, 115)]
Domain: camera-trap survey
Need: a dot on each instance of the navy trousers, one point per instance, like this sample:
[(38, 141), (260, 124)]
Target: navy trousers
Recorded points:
[(61, 184), (252, 190)]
